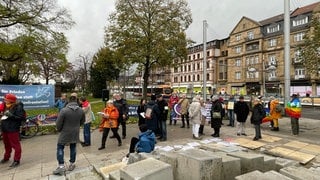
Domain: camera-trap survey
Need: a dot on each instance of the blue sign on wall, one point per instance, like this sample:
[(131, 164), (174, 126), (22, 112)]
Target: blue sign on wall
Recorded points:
[(32, 96)]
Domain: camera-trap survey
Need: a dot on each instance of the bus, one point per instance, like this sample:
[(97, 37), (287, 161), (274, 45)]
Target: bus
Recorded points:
[(165, 90)]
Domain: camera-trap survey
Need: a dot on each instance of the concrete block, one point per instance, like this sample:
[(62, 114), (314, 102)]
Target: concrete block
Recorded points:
[(134, 157), (114, 175), (107, 170), (249, 161), (253, 175), (275, 175), (298, 173), (147, 169), (231, 166), (269, 163), (172, 159), (198, 164), (281, 163), (219, 147)]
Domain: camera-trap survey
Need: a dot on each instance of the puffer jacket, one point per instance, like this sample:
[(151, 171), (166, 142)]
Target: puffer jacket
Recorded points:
[(146, 142), (195, 111)]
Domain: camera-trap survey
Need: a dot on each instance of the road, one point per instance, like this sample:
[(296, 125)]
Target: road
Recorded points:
[(311, 112)]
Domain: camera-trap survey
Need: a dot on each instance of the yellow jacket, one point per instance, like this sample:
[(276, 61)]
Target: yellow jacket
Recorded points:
[(273, 113)]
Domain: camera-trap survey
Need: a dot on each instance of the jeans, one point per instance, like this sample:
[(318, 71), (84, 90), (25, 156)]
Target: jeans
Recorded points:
[(60, 153), (231, 117), (87, 133), (163, 130), (258, 131)]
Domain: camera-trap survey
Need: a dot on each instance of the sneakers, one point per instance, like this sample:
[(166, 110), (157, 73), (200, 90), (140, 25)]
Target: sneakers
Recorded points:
[(102, 147), (59, 171), (71, 166), (15, 164), (4, 161)]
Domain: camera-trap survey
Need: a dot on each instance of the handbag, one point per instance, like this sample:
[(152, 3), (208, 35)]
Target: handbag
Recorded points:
[(216, 115)]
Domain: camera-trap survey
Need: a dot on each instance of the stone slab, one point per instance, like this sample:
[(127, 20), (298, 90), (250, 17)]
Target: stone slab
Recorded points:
[(105, 171), (282, 162), (313, 149), (198, 164), (231, 166), (296, 144), (269, 163), (250, 144), (249, 161), (299, 173), (272, 175), (270, 139), (253, 175), (172, 159), (303, 158), (219, 147), (147, 169)]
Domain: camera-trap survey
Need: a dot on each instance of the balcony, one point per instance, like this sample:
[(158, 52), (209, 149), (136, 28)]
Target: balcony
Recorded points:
[(300, 77), (296, 61)]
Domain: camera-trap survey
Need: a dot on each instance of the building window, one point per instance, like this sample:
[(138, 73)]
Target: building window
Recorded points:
[(198, 55), (272, 42), (189, 68), (238, 49), (198, 77), (272, 60), (297, 54), (208, 53), (273, 28), (250, 60), (250, 35), (298, 37), (208, 65), (238, 37), (238, 62), (198, 66), (238, 75), (208, 77), (194, 56), (300, 73), (300, 21)]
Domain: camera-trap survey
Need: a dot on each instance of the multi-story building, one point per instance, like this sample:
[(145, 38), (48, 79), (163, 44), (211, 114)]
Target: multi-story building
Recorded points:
[(251, 59)]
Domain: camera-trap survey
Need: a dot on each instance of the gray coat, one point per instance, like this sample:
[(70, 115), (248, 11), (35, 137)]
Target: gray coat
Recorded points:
[(69, 120), (195, 111)]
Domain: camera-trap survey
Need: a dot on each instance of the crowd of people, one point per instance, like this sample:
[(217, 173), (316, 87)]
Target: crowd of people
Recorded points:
[(76, 112)]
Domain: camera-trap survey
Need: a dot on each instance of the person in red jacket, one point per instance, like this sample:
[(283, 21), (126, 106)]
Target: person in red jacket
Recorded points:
[(174, 99), (11, 120)]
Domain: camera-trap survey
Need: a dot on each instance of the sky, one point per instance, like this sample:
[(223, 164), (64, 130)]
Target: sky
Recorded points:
[(91, 18)]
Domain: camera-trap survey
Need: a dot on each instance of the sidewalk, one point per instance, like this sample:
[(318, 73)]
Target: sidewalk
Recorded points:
[(39, 153)]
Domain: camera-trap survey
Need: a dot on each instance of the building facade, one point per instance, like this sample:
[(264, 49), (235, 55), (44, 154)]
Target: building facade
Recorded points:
[(251, 60)]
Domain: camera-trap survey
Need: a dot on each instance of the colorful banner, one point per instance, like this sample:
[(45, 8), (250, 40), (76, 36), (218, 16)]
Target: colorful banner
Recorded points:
[(32, 96)]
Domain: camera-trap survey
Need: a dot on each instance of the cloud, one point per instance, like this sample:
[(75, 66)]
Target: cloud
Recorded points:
[(222, 16)]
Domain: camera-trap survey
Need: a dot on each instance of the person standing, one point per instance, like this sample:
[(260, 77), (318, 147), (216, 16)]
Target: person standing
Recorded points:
[(203, 116), (184, 103), (174, 99), (61, 103), (123, 110), (293, 109), (86, 107), (275, 113), (241, 109), (140, 110), (195, 116), (258, 114), (68, 124), (216, 117), (230, 110), (163, 107), (109, 121), (152, 121), (11, 120)]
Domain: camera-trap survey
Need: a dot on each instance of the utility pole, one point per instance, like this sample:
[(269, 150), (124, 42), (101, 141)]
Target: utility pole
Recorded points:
[(286, 51), (205, 60)]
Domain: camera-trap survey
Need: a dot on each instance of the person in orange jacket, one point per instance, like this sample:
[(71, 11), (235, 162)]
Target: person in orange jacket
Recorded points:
[(109, 121)]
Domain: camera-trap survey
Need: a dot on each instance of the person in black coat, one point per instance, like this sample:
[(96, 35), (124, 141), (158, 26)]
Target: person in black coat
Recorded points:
[(163, 107), (256, 118), (216, 121), (241, 109), (140, 110)]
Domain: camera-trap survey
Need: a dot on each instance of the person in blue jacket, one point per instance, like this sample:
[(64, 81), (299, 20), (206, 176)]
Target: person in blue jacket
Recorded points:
[(145, 142)]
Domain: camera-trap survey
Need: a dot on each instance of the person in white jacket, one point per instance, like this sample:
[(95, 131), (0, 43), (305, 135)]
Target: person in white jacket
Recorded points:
[(195, 116)]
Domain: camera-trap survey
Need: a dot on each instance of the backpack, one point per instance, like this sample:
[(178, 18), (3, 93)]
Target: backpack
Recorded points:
[(278, 108), (148, 112)]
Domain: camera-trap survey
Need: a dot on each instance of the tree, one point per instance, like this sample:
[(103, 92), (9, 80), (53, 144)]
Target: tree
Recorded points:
[(310, 49), (149, 32), (18, 17), (105, 68), (49, 54)]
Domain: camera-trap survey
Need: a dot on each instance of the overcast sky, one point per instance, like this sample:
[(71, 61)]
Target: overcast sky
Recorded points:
[(86, 37)]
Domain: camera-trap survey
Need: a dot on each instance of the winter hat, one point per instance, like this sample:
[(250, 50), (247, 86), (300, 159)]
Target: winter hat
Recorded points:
[(10, 98)]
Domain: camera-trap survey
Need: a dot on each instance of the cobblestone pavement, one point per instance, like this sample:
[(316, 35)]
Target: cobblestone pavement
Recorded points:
[(39, 153)]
